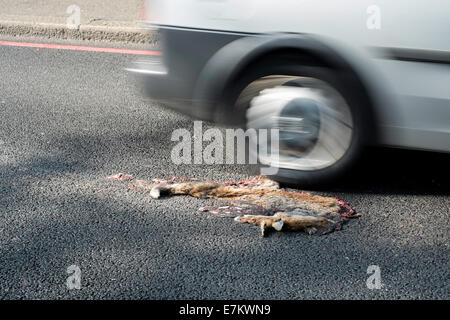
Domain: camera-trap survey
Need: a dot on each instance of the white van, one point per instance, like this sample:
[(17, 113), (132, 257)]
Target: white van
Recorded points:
[(331, 75)]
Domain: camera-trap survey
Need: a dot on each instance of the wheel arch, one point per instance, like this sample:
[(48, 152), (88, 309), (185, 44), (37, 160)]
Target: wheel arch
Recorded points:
[(230, 62)]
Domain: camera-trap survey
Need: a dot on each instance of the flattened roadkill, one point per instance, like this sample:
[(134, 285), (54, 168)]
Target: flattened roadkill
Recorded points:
[(258, 201)]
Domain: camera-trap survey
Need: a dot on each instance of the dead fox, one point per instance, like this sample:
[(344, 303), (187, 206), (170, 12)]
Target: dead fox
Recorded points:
[(293, 210)]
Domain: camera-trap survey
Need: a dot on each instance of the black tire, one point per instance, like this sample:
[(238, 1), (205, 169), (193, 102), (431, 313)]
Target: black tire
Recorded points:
[(344, 81)]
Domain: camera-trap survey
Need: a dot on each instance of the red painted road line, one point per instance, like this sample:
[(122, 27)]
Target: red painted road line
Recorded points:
[(78, 48)]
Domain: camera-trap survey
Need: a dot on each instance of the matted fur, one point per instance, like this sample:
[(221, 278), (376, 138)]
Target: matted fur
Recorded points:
[(274, 208)]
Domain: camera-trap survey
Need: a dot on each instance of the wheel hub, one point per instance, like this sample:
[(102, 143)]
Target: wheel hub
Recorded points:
[(299, 124)]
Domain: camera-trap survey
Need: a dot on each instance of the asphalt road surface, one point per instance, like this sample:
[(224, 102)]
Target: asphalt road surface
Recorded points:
[(69, 119)]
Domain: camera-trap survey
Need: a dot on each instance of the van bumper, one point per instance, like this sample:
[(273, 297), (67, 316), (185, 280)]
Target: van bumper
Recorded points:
[(171, 78)]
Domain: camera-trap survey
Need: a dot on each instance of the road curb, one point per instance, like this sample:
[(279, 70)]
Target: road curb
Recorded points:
[(114, 31)]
